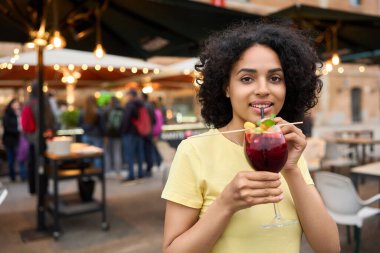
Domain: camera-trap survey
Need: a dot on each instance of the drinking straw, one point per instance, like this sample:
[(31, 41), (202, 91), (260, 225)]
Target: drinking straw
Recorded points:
[(262, 112), (244, 129)]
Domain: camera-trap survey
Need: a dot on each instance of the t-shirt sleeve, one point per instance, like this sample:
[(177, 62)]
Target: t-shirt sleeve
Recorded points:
[(302, 164), (184, 181)]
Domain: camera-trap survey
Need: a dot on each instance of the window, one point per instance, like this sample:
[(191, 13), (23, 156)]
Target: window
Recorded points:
[(355, 2), (356, 102)]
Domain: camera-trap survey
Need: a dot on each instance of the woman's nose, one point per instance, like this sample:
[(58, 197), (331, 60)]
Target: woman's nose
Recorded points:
[(261, 87)]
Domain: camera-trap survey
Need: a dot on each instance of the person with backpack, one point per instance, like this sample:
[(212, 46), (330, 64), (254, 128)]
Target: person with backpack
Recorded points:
[(114, 122), (134, 128)]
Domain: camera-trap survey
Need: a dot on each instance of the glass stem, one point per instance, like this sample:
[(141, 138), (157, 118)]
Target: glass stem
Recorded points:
[(277, 214)]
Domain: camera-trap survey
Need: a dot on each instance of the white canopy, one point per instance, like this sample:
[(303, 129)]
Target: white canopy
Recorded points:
[(76, 57)]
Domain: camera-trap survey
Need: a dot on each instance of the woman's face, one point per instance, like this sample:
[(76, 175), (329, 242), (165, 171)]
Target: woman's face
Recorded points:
[(16, 106), (257, 81)]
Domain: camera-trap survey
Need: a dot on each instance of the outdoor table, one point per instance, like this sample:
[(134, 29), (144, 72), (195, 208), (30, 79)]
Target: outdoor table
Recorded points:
[(356, 142), (368, 170), (78, 152), (364, 133)]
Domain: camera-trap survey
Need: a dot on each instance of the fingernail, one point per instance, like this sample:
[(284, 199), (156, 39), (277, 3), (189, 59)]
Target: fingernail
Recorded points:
[(281, 196)]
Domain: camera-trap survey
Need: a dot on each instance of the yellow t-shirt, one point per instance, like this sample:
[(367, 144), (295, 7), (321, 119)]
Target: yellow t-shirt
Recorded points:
[(201, 169)]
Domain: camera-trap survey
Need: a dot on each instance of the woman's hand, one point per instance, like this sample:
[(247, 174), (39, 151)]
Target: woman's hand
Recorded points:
[(296, 141), (249, 188)]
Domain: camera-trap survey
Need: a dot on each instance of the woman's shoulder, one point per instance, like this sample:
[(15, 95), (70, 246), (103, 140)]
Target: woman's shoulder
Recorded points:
[(201, 140)]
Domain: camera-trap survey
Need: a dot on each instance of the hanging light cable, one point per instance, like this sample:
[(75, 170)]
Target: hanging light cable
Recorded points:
[(99, 50), (57, 40)]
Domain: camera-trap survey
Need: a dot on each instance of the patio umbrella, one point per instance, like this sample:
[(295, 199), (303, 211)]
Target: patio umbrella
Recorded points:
[(93, 71), (350, 34)]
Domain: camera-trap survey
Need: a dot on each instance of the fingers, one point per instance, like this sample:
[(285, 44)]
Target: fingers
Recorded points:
[(260, 193), (261, 196), (253, 188), (292, 134), (251, 201), (259, 176), (288, 128)]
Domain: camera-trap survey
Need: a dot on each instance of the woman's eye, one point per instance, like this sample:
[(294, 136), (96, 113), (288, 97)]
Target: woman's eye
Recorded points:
[(275, 79), (246, 79)]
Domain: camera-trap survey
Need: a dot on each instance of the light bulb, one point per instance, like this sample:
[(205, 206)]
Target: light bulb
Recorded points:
[(40, 42), (335, 59), (99, 51), (30, 44), (329, 67), (58, 41)]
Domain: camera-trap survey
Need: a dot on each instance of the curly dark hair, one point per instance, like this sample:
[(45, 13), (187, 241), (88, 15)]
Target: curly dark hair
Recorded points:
[(223, 49)]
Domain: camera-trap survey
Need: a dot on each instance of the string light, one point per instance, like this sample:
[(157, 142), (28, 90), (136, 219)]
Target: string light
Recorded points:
[(329, 66), (58, 41), (99, 50), (335, 59)]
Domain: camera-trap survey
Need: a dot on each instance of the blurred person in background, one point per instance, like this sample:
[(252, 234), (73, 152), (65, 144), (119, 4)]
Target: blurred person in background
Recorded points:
[(133, 143), (163, 109), (114, 118), (54, 109), (157, 130), (11, 137), (91, 119), (148, 140), (29, 127)]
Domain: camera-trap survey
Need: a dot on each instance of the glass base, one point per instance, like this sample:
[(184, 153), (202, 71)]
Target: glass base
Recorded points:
[(279, 223)]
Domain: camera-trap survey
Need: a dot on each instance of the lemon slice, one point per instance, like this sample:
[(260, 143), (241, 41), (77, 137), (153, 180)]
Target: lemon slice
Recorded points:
[(249, 125)]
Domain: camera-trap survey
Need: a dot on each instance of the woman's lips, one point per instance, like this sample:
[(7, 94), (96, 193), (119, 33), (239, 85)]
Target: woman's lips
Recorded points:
[(257, 108)]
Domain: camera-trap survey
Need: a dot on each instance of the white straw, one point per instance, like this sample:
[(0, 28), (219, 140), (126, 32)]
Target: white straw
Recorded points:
[(242, 130)]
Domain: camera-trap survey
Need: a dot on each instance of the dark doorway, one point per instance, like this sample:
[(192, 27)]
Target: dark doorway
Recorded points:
[(356, 102)]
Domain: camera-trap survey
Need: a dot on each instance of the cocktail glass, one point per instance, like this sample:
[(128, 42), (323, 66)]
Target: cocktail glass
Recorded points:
[(268, 151)]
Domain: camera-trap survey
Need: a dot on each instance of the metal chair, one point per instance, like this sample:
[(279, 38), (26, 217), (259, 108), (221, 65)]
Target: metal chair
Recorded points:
[(3, 193), (344, 204), (337, 157)]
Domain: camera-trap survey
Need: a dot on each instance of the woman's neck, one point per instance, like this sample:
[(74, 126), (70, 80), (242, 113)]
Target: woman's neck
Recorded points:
[(237, 138)]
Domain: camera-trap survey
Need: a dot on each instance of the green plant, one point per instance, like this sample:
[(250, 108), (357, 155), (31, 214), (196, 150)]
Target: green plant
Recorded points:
[(70, 118)]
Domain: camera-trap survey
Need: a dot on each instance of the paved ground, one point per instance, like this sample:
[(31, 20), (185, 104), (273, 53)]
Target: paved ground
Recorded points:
[(135, 214)]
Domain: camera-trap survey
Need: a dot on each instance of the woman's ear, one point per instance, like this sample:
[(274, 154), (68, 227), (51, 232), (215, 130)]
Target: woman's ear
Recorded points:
[(227, 93)]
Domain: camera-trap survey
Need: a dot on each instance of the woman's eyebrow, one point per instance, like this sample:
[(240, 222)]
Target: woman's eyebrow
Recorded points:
[(247, 70), (275, 70), (255, 71)]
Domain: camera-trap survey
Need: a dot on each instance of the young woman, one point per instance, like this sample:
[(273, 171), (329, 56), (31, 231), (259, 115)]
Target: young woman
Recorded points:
[(215, 201), (91, 119)]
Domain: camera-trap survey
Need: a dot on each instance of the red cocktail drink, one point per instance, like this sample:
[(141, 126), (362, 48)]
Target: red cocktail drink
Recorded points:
[(266, 151)]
